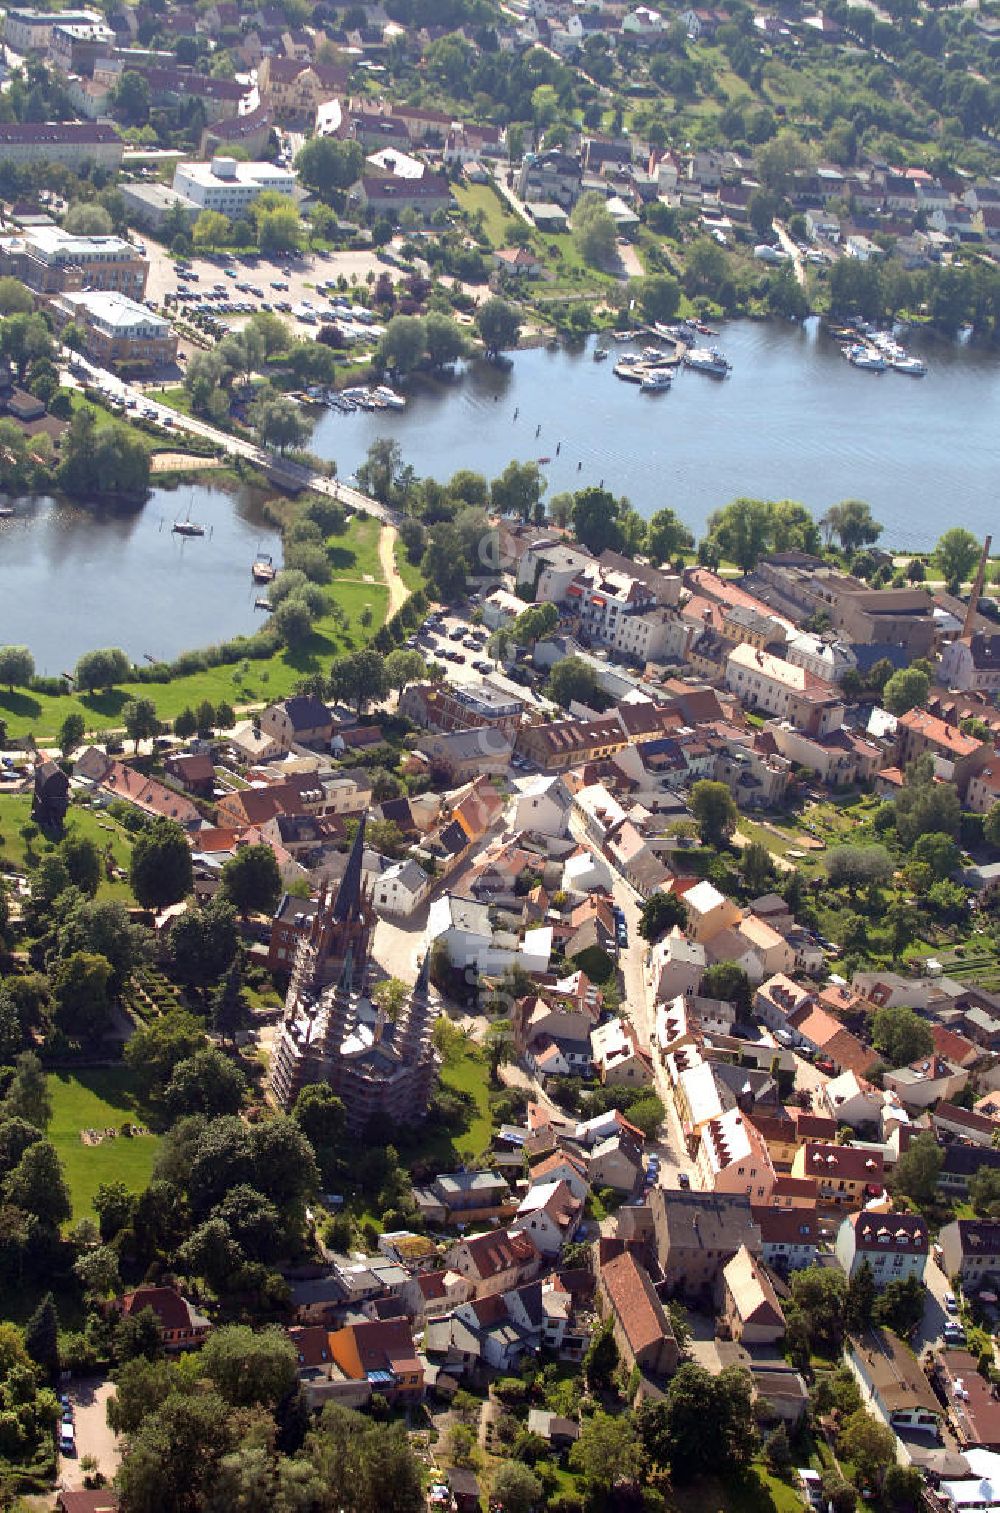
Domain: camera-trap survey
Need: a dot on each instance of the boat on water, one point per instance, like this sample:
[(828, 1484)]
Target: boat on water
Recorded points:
[(867, 358), (389, 397), (655, 383), (907, 364), (629, 369), (187, 526), (600, 354), (262, 604), (6, 511), (263, 569), (708, 360)]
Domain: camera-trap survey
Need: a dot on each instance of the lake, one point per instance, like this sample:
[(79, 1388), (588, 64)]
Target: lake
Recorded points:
[(793, 420), (72, 579)]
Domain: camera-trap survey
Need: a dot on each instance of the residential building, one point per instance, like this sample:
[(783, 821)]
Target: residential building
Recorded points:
[(400, 888), (750, 1307), (228, 186), (971, 663), (52, 261), (640, 1325), (550, 1214), (676, 966), (846, 1176), (769, 683), (465, 1197), (71, 143), (495, 1262), (292, 87), (30, 31), (971, 1252), (553, 177), (957, 757), (973, 1409), (618, 1057), (302, 720), (472, 706), (696, 1235), (961, 1163), (381, 1352), (182, 1327), (926, 1081), (562, 744), (733, 1158), (893, 1385), (118, 332), (895, 1246), (709, 912), (465, 754), (541, 805), (789, 1238)]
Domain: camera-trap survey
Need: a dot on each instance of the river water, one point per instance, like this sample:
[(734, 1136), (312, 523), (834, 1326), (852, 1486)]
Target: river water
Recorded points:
[(72, 579), (792, 421)]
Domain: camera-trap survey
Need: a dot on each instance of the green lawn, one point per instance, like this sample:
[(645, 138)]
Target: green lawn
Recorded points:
[(758, 1492), (28, 712), (19, 855), (98, 1098), (498, 219), (467, 1072)]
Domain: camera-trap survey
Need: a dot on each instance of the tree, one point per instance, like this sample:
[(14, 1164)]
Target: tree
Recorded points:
[(853, 523), (594, 231), (206, 1083), (131, 101), (923, 805), (444, 563), (38, 1186), (82, 996), (27, 1094), (101, 669), (516, 1489), (322, 1118), (956, 556), (155, 1049), (101, 926), (860, 1299), (98, 1274), (444, 340), (114, 1206), (938, 852), (359, 677), (607, 1454), (403, 343), (278, 230), (918, 1169), (601, 1359), (727, 981), (71, 733), (662, 912), (230, 1014), (17, 667), (498, 324), (279, 423), (250, 1367), (854, 867), (251, 880), (714, 809), (705, 1426), (596, 523), (172, 1461), (667, 537), (741, 531), (41, 1336), (906, 689), (364, 1466), (571, 681), (15, 297), (900, 1306), (901, 1036), (819, 1296), (403, 667), (517, 490), (782, 160), (329, 166), (160, 870), (82, 860), (659, 297), (140, 721), (869, 1445), (293, 621), (757, 867)]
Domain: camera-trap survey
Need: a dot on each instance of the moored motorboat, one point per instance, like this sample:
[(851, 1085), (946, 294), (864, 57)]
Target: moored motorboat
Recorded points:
[(708, 360)]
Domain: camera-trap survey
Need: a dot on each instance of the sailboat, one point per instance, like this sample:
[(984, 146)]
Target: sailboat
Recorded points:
[(187, 526)]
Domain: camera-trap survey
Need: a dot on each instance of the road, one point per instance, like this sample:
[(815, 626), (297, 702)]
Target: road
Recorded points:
[(89, 1396), (793, 252), (235, 446)]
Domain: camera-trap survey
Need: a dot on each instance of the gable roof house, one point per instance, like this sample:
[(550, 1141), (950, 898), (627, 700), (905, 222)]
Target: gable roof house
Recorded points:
[(303, 720), (926, 1081), (895, 1246), (696, 1234), (495, 1262), (550, 1215), (892, 1382), (750, 1306), (182, 1327), (381, 1352), (640, 1325)]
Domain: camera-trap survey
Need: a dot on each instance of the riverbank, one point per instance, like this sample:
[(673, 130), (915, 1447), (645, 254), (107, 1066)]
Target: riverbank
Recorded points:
[(361, 584)]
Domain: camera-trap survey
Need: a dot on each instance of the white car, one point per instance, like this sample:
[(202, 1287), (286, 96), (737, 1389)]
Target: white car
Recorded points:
[(951, 1302)]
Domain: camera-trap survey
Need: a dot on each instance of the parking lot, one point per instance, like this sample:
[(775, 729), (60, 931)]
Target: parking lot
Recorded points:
[(451, 637), (238, 285)]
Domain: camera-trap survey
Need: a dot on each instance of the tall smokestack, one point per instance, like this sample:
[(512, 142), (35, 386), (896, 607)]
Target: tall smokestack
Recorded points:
[(977, 589)]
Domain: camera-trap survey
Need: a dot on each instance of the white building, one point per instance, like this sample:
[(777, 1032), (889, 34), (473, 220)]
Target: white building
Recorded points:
[(894, 1245), (228, 186), (400, 889), (541, 805), (30, 31)]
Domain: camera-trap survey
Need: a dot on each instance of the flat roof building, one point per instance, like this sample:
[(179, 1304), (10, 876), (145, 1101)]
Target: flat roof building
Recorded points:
[(228, 186)]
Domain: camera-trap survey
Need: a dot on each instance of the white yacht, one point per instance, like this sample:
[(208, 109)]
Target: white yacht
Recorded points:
[(907, 364), (655, 382), (708, 360)]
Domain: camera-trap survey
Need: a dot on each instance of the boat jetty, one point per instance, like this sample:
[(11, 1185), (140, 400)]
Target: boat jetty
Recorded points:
[(347, 401), (653, 367), (876, 351)]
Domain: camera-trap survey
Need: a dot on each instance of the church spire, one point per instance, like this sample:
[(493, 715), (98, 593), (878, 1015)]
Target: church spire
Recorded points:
[(347, 904)]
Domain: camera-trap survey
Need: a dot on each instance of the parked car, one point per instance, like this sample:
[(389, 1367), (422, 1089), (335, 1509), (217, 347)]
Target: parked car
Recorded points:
[(951, 1302), (683, 1180), (67, 1440)]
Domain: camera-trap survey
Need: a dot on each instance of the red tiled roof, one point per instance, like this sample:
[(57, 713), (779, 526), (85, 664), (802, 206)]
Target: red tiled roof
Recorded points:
[(636, 1305)]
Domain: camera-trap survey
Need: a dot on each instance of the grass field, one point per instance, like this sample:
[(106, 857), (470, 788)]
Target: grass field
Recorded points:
[(19, 855), (29, 713), (467, 1072), (497, 218), (98, 1098)]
